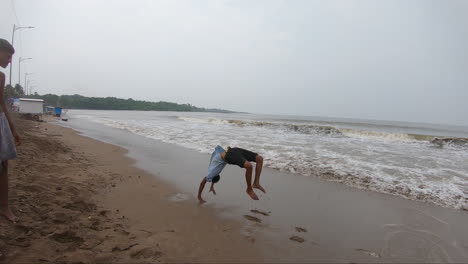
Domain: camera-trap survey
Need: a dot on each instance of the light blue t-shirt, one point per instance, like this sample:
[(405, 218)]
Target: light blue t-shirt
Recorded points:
[(217, 164)]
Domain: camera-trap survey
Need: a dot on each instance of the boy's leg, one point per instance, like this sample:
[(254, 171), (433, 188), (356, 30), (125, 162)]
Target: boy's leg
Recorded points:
[(258, 172), (248, 178), (4, 206)]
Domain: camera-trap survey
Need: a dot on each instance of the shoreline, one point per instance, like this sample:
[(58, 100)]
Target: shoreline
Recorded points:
[(394, 164), (134, 203), (343, 224), (88, 202)]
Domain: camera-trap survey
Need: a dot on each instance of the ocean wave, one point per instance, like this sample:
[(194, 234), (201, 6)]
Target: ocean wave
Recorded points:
[(451, 142), (329, 130), (452, 197), (402, 164)]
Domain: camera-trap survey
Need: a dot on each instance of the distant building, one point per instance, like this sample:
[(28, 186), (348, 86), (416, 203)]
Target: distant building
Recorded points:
[(31, 106)]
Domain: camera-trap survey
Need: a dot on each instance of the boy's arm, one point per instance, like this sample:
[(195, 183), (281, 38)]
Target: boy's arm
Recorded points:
[(200, 190), (5, 109)]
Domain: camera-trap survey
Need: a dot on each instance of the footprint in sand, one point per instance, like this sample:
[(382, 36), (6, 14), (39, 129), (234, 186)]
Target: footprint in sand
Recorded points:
[(252, 218), (259, 212), (301, 229), (297, 239)]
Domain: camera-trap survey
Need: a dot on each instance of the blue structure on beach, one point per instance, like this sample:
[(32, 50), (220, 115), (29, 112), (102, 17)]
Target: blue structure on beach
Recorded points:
[(58, 111)]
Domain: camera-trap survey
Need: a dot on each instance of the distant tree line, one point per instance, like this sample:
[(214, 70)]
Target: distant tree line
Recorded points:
[(13, 92), (108, 103)]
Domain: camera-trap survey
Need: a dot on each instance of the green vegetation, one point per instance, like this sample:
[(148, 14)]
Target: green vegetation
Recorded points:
[(112, 103), (109, 103), (13, 92)]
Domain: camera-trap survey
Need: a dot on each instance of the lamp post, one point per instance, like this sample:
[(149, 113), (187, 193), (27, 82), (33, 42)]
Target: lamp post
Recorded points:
[(12, 41), (19, 68), (31, 88), (28, 86), (26, 82)]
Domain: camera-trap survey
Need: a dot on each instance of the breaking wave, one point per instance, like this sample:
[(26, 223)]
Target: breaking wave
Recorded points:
[(329, 130)]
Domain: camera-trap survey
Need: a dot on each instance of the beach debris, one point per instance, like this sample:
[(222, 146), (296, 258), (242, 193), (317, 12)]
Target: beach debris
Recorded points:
[(297, 239), (255, 211), (252, 218), (368, 252), (301, 229)]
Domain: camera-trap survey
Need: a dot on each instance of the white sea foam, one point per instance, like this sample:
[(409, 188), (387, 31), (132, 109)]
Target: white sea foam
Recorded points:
[(399, 163)]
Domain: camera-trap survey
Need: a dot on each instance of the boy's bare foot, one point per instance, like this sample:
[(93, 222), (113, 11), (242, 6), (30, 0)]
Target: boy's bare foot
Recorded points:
[(201, 201), (252, 194), (258, 186), (9, 215)]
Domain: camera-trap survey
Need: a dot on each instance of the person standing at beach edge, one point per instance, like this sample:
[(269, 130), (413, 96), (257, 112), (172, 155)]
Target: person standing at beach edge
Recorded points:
[(234, 156), (8, 135)]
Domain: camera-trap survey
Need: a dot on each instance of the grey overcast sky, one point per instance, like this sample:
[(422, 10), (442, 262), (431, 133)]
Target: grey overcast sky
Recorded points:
[(403, 60)]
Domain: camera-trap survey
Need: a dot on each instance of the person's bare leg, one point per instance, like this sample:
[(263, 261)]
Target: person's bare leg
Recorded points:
[(258, 171), (4, 206), (248, 179)]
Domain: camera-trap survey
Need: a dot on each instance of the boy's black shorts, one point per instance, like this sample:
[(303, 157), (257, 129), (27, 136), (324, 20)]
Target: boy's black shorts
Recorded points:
[(238, 156)]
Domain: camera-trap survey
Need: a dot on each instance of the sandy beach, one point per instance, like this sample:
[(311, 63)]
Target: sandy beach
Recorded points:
[(80, 201), (84, 200)]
